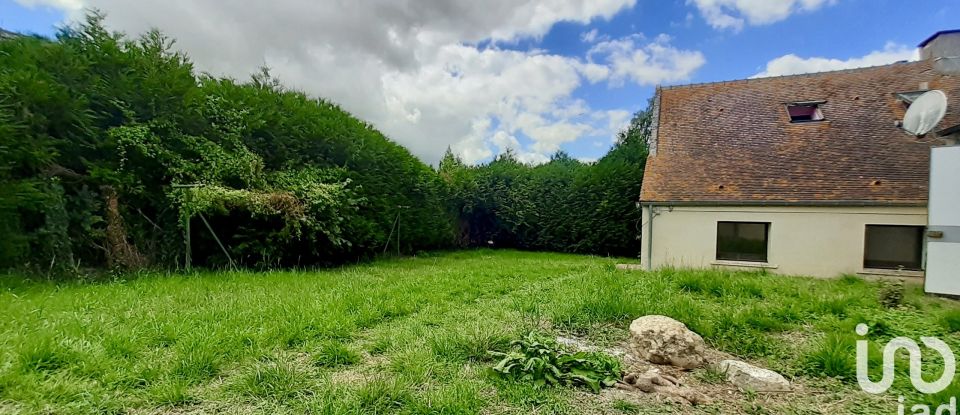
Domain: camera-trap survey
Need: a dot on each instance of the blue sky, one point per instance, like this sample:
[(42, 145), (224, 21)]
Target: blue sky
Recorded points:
[(517, 76)]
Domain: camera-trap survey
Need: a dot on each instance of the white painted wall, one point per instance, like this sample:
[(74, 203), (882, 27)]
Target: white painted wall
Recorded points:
[(813, 241), (943, 254)]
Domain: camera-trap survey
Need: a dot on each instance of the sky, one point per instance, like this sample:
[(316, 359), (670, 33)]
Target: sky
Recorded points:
[(536, 76)]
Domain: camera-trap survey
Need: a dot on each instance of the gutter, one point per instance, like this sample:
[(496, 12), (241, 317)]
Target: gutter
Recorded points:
[(653, 213), (650, 239)]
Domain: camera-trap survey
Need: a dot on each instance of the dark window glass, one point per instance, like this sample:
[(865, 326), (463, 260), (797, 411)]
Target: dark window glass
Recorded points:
[(742, 241), (804, 112), (893, 247)]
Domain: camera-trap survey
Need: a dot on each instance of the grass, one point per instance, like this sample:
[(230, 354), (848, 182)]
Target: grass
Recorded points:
[(334, 355), (272, 380), (411, 335)]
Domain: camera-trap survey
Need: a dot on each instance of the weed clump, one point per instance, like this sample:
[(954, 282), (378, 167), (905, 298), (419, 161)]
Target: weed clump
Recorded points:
[(333, 355), (891, 294), (272, 381), (832, 357), (544, 362), (950, 320)]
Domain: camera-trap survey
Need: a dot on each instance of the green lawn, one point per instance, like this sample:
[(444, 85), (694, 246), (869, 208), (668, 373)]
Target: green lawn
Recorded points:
[(412, 335)]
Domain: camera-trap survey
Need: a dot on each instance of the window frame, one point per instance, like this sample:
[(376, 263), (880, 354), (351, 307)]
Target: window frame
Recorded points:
[(921, 239), (739, 258)]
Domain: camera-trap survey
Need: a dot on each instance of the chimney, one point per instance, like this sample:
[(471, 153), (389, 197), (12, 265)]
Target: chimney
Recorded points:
[(943, 44), (943, 49)]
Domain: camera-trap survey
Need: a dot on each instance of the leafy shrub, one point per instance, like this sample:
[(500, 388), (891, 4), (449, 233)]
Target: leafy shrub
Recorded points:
[(563, 205), (289, 180), (544, 362)]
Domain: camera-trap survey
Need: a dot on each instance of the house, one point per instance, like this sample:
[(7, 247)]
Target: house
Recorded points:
[(804, 174)]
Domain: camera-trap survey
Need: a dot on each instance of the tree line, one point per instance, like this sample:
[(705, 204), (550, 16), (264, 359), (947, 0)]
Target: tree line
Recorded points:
[(113, 149)]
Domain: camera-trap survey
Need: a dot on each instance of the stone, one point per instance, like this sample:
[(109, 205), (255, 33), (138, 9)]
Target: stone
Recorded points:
[(652, 381), (665, 341), (749, 377)]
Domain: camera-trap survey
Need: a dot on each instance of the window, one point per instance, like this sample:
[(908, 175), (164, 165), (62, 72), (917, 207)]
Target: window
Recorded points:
[(804, 112), (742, 241), (893, 247)]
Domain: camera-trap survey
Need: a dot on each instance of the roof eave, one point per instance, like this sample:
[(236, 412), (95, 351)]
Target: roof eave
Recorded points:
[(949, 131), (936, 35)]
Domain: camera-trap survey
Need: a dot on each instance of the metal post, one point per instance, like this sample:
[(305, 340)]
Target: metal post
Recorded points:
[(186, 237), (390, 236), (215, 238), (186, 225)]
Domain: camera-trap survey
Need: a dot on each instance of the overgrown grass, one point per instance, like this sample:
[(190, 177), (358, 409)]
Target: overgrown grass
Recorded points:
[(412, 335), (272, 380), (334, 355)]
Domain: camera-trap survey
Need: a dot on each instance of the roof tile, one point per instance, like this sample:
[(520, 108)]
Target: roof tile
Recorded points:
[(733, 141)]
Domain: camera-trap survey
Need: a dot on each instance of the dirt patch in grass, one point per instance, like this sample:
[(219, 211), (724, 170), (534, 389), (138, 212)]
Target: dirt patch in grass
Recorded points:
[(820, 396)]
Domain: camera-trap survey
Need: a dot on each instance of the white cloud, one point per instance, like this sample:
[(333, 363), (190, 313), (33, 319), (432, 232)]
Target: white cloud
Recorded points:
[(733, 14), (594, 72), (474, 147), (647, 64), (617, 120), (412, 67), (504, 142), (592, 36), (792, 64), (68, 5), (589, 36)]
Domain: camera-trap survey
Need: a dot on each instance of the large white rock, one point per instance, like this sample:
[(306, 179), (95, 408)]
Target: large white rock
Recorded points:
[(749, 377), (665, 341)]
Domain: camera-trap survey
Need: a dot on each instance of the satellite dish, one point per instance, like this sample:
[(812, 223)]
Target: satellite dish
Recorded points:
[(925, 113)]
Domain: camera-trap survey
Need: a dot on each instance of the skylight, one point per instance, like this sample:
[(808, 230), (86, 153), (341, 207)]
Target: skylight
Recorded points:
[(804, 112)]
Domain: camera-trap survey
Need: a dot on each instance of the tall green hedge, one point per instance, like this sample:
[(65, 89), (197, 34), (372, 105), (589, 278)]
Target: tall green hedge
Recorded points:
[(112, 147), (94, 122), (563, 205)]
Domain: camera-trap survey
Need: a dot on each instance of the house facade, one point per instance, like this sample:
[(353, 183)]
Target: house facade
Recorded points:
[(803, 175)]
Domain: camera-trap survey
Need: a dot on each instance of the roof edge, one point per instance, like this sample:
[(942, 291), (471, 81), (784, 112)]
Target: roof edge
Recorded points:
[(936, 35), (799, 75)]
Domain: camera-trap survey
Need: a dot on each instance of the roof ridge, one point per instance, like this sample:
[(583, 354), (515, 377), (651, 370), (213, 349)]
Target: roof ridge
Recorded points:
[(800, 75)]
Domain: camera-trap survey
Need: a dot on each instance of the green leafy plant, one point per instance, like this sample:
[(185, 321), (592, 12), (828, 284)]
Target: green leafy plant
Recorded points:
[(544, 362), (891, 294)]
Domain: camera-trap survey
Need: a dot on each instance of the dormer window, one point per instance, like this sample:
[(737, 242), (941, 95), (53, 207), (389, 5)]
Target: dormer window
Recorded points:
[(908, 97), (805, 112)]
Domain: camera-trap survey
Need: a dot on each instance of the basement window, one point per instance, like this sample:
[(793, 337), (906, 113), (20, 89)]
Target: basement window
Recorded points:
[(742, 241), (893, 247), (804, 112)]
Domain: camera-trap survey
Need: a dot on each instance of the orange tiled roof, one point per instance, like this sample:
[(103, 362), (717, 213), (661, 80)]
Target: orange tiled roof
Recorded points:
[(733, 142)]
